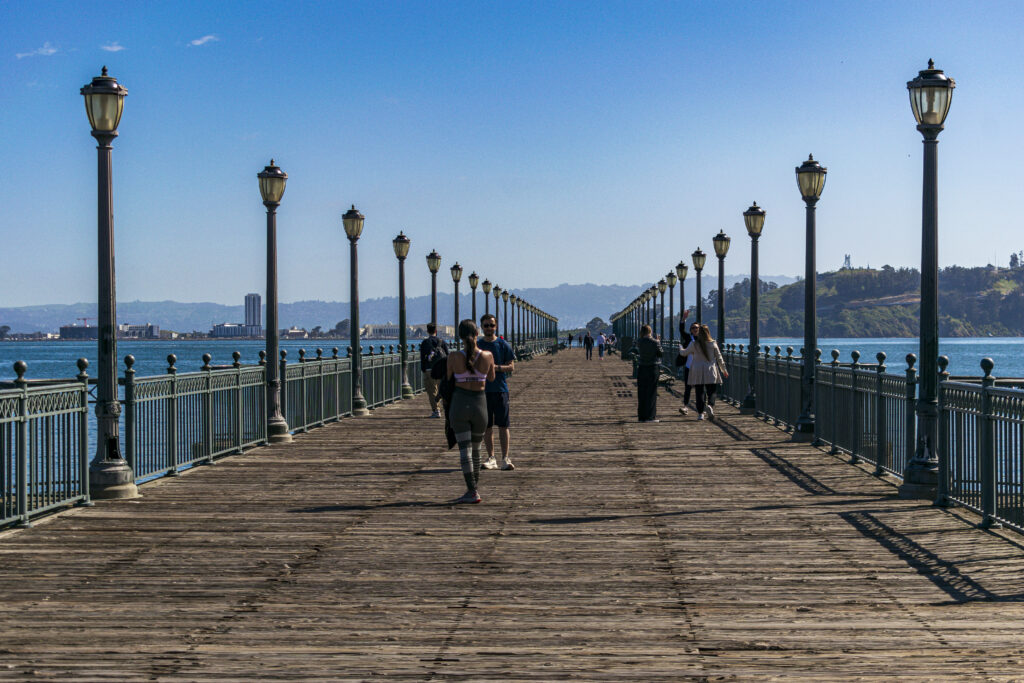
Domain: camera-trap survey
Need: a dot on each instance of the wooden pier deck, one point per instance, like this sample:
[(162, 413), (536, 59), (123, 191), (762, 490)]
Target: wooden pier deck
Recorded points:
[(617, 551)]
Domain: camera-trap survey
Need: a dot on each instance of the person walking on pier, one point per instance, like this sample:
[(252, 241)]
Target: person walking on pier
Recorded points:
[(601, 341), (706, 372), (431, 349), (648, 355), (588, 346), (470, 370), (686, 361), (497, 393)]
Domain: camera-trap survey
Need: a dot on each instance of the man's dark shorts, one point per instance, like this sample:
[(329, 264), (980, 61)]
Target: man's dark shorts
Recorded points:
[(497, 408)]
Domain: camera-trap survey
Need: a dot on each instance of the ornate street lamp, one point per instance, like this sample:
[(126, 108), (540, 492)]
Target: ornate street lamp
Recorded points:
[(810, 178), (671, 280), (474, 280), (434, 265), (930, 96), (512, 330), (110, 476), (721, 242), (504, 327), (353, 222), (681, 270), (662, 286), (753, 219), (486, 287), (401, 245), (456, 276), (497, 311), (699, 257), (272, 183)]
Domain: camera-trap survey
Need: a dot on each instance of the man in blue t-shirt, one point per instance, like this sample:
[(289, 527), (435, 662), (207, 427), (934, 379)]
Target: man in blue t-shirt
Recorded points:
[(497, 392)]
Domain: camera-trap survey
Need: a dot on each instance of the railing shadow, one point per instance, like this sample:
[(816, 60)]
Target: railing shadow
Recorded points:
[(614, 518), (794, 473), (943, 573)]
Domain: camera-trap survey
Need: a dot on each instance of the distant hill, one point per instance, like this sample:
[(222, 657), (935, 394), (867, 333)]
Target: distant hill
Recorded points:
[(574, 305), (885, 302)]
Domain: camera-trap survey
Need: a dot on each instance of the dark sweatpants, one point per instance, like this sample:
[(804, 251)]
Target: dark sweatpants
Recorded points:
[(647, 392)]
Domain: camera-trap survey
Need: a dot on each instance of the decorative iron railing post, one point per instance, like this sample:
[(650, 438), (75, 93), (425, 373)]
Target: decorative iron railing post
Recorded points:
[(910, 425), (283, 365), (172, 417), (942, 485), (856, 424), (987, 450), (130, 415), (816, 389), (835, 436), (236, 358), (208, 408), (83, 432), (320, 392), (21, 443), (784, 411), (303, 392), (882, 457)]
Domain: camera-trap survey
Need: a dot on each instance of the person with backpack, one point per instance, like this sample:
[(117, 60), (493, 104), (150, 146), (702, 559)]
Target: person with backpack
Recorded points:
[(433, 351)]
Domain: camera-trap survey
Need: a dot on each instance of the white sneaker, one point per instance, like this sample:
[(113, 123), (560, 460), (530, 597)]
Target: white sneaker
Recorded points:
[(701, 416), (507, 465), (710, 412), (684, 410), (490, 464)]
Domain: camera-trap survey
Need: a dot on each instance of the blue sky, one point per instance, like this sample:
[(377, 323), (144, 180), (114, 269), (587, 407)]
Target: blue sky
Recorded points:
[(536, 143)]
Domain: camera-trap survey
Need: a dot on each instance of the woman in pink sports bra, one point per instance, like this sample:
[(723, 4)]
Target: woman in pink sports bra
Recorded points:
[(470, 369)]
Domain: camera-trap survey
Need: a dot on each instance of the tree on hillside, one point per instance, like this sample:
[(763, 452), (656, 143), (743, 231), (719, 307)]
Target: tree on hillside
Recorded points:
[(1014, 261), (343, 328), (4, 329)]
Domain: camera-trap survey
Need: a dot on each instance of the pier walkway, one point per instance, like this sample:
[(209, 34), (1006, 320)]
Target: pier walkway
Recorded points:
[(616, 551)]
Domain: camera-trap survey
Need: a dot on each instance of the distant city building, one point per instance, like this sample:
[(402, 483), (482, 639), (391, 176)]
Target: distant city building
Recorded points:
[(253, 311), (420, 331), (385, 331), (229, 330), (79, 332), (294, 333), (146, 331)]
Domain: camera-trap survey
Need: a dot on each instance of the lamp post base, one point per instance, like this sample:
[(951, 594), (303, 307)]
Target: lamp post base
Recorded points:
[(407, 391), (920, 481), (277, 432), (359, 408), (803, 432), (111, 480), (748, 406)]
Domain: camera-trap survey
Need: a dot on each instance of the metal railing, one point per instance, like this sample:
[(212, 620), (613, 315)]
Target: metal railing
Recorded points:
[(43, 447), (315, 391)]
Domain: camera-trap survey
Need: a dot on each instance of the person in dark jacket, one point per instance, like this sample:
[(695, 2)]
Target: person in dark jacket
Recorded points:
[(588, 345), (431, 349), (648, 357), (685, 337)]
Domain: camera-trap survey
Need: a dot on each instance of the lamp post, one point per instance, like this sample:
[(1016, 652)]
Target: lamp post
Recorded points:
[(474, 280), (434, 265), (353, 222), (512, 330), (497, 311), (681, 270), (456, 276), (930, 96), (272, 183), (753, 219), (671, 280), (110, 476), (699, 257), (486, 287), (504, 299), (810, 178), (662, 286), (721, 242), (401, 245)]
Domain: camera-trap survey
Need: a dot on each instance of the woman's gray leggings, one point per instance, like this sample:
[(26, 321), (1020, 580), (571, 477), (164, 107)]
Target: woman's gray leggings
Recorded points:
[(468, 418)]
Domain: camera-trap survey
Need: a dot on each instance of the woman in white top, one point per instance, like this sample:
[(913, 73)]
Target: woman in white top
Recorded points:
[(704, 370)]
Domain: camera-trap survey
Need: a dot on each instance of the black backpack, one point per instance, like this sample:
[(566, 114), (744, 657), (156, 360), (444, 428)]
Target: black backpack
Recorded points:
[(439, 361)]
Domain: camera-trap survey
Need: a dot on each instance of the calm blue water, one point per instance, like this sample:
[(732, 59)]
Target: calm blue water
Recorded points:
[(53, 359)]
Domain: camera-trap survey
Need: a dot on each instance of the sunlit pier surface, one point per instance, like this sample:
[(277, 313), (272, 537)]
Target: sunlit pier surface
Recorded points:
[(615, 551)]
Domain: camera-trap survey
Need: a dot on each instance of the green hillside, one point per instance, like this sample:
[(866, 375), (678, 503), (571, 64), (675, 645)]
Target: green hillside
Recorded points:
[(861, 302)]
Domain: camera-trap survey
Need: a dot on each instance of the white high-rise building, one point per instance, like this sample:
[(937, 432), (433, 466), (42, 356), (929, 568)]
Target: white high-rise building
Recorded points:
[(253, 311)]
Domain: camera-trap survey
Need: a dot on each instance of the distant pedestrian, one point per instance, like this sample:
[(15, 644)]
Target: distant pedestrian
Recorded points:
[(601, 341), (568, 342), (706, 372), (588, 345), (470, 369), (686, 335), (497, 393), (431, 349), (648, 355)]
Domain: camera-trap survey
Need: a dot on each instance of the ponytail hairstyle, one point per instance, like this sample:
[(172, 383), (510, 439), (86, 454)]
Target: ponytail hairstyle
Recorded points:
[(468, 333), (704, 338)]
